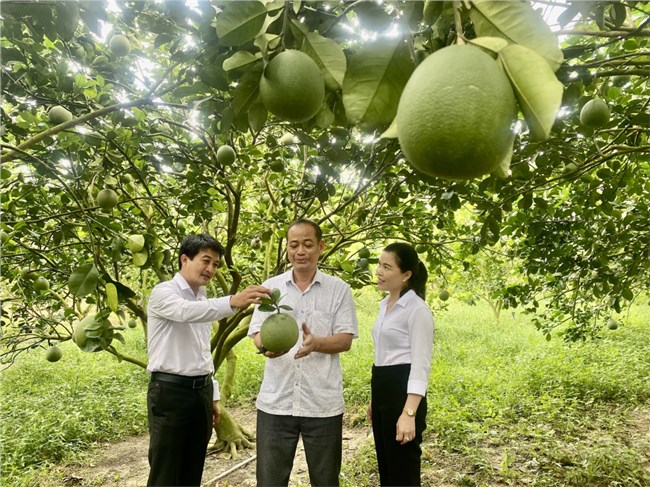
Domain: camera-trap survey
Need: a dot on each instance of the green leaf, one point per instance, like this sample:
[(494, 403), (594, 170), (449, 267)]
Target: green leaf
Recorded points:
[(285, 307), (329, 56), (111, 297), (537, 89), (239, 59), (494, 44), (140, 258), (257, 115), (324, 118), (247, 91), (275, 295), (374, 82), (266, 308), (67, 19), (240, 22), (84, 280), (518, 23)]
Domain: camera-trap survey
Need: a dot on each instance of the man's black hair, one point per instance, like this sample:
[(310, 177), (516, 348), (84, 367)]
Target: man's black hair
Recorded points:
[(193, 244), (311, 223)]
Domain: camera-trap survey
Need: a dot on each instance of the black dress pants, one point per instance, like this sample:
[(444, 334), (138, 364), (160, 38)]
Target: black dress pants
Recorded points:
[(277, 439), (180, 426), (398, 464)]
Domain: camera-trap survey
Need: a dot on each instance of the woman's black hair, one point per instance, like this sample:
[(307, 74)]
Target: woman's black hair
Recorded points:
[(193, 244), (408, 260)]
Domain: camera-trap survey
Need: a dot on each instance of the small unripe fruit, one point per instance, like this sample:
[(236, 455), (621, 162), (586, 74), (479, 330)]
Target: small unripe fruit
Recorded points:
[(277, 165), (443, 295), (287, 139), (53, 354), (226, 155), (132, 323), (59, 115), (612, 324), (120, 45), (41, 284), (107, 199), (594, 114)]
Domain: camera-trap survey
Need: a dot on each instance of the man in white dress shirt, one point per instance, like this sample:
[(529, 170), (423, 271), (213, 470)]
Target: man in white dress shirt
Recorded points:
[(302, 389), (182, 400)]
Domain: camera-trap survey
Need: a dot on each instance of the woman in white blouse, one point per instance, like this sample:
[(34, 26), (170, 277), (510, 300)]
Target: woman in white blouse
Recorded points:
[(403, 339)]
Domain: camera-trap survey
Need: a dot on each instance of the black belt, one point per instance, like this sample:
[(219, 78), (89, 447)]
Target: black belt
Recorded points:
[(192, 382)]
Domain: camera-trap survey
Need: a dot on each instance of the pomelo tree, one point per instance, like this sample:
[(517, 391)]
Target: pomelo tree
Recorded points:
[(569, 202)]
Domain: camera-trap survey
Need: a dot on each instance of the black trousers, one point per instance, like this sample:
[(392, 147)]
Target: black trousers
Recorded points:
[(180, 426), (398, 464), (277, 439)]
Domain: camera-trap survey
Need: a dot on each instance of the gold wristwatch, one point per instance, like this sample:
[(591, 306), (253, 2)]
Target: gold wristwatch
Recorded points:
[(409, 412)]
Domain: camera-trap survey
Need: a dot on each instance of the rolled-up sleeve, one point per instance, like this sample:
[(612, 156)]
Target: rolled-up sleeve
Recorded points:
[(421, 338), (168, 305)]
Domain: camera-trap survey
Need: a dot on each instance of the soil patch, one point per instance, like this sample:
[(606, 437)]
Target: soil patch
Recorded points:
[(125, 463)]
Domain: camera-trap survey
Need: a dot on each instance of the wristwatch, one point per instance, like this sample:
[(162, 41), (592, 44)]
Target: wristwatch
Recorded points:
[(409, 412)]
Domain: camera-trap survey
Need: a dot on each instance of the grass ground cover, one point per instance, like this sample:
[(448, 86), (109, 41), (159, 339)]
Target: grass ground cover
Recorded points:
[(505, 405)]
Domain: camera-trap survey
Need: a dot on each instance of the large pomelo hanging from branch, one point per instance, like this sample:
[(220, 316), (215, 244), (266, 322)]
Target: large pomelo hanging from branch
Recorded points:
[(292, 87), (455, 115)]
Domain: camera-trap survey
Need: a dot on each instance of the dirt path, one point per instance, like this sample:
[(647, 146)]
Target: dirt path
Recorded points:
[(125, 463)]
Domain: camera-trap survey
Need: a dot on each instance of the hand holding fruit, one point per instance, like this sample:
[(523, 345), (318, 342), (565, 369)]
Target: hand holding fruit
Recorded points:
[(250, 295)]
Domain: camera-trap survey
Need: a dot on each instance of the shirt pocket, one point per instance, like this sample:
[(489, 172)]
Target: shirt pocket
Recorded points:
[(321, 323)]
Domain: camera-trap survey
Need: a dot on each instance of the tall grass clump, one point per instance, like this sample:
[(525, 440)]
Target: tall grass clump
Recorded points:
[(55, 411)]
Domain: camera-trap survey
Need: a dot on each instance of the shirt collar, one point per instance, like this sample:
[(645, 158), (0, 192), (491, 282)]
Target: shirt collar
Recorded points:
[(318, 278), (182, 283), (402, 302)]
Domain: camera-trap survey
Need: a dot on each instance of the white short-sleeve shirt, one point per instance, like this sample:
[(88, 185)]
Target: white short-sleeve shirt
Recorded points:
[(313, 385)]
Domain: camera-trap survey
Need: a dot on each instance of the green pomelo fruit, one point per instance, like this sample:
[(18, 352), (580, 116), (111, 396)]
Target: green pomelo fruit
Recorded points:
[(107, 199), (59, 115), (279, 332), (287, 139), (53, 354), (421, 248), (26, 273), (570, 167), (135, 243), (79, 332), (41, 284), (120, 45), (226, 155), (126, 178), (277, 165), (292, 87), (443, 295), (364, 253), (455, 115), (594, 114), (612, 324), (132, 323)]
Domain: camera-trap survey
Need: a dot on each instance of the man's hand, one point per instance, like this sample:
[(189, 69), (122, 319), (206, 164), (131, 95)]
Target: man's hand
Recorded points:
[(250, 295), (216, 417), (257, 340), (309, 342)]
